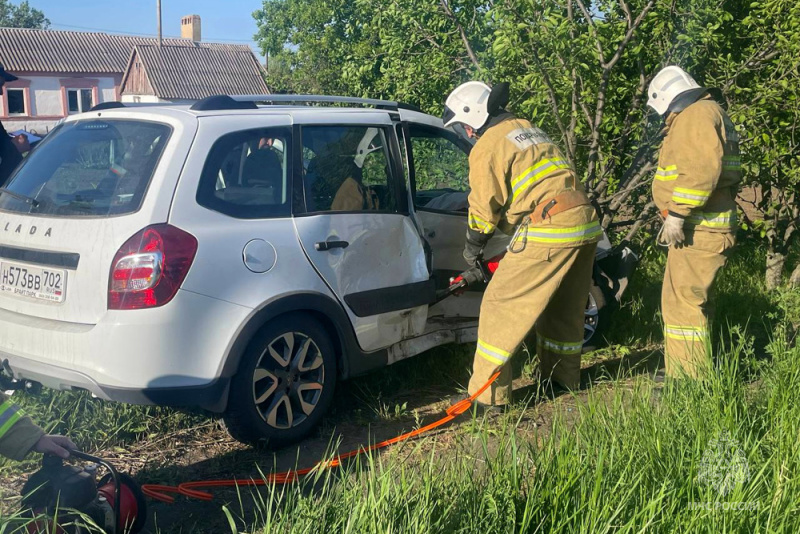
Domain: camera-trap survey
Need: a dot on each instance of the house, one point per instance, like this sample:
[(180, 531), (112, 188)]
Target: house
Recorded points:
[(189, 73), (66, 72)]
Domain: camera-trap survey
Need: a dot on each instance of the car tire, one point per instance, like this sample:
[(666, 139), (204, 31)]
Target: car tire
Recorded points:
[(284, 385), (597, 318)]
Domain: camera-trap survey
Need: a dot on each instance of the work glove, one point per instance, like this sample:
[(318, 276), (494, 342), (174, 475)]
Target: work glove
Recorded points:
[(672, 232), (476, 241)]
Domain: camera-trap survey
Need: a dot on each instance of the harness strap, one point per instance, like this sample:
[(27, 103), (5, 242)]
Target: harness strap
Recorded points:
[(558, 204)]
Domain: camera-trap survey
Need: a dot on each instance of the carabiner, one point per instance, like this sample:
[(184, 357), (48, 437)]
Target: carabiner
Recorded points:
[(522, 228)]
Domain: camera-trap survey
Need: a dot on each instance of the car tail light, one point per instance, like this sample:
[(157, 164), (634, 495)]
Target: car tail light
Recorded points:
[(150, 267)]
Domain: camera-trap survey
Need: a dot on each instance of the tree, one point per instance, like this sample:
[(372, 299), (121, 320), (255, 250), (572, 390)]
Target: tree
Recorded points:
[(764, 94), (580, 69), (22, 16), (413, 50)]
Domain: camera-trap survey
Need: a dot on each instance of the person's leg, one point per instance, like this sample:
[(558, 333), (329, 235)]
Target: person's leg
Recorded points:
[(689, 276), (559, 331), (520, 290)]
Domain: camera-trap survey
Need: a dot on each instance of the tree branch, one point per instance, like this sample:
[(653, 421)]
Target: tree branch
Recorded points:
[(593, 31), (551, 96), (644, 218), (470, 52), (594, 148)]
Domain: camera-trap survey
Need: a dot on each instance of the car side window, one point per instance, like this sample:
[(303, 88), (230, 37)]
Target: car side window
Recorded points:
[(346, 168), (246, 174), (441, 169)]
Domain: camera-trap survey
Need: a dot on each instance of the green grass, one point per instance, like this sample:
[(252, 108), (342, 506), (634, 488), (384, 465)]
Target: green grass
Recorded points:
[(627, 461), (94, 424), (740, 299)]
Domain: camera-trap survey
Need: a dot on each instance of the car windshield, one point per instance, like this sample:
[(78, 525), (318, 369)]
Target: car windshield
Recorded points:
[(90, 168)]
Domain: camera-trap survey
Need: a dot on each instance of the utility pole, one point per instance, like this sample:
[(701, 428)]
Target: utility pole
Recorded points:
[(158, 8)]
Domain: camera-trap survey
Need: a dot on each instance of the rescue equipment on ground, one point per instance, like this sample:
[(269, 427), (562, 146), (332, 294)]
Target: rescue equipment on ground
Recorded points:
[(58, 495)]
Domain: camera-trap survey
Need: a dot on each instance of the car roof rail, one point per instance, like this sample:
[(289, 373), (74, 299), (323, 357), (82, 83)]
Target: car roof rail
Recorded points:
[(223, 102), (121, 105)]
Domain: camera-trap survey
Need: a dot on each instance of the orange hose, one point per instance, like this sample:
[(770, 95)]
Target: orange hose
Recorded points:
[(190, 489)]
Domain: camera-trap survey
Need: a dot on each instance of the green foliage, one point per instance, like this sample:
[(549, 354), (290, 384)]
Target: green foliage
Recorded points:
[(22, 16), (439, 165), (409, 50), (579, 69), (764, 92)]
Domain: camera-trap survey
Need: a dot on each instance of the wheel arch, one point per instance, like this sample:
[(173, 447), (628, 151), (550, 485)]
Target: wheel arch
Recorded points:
[(351, 360)]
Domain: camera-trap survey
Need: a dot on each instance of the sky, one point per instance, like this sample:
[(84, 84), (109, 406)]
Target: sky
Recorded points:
[(228, 21)]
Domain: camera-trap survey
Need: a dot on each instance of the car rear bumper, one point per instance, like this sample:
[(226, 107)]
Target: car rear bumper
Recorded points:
[(212, 396), (171, 355)]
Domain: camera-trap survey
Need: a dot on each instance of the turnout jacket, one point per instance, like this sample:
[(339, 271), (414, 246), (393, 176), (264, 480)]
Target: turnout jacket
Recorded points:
[(513, 167), (18, 434), (699, 170)]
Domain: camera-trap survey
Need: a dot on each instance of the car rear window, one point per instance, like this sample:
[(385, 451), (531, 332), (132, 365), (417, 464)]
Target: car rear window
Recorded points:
[(90, 168)]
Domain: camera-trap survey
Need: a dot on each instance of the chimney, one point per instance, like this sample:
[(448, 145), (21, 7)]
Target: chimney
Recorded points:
[(190, 27)]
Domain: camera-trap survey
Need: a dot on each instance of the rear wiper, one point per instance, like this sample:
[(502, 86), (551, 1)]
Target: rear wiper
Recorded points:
[(28, 200)]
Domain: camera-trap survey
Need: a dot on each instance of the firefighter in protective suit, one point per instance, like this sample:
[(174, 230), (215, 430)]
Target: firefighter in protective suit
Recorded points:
[(19, 435), (522, 185), (695, 188)]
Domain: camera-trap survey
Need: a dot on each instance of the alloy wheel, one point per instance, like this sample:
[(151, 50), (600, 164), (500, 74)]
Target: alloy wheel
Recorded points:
[(591, 319), (288, 380)]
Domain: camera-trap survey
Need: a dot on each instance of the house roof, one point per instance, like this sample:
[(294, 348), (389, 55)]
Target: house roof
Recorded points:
[(69, 52), (199, 70)]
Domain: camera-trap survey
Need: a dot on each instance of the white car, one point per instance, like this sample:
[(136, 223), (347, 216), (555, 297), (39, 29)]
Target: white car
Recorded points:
[(236, 256)]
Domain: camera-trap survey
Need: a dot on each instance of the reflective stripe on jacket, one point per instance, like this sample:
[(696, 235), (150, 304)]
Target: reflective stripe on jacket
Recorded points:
[(513, 167), (18, 434), (699, 170)]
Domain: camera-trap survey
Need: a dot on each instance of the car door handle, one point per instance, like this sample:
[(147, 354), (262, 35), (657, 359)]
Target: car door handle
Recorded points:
[(328, 245)]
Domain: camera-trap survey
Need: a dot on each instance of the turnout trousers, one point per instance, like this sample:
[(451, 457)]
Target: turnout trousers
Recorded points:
[(542, 287), (688, 279)]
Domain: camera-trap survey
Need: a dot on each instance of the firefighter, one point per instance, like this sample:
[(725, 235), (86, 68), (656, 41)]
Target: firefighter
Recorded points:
[(522, 186), (19, 435), (695, 188)]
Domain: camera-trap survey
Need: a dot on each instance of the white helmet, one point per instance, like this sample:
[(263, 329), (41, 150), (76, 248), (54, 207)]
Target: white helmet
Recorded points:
[(468, 104), (667, 85)]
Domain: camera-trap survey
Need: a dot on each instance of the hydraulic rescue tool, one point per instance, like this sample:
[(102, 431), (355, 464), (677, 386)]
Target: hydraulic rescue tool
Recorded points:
[(61, 497), (480, 273)]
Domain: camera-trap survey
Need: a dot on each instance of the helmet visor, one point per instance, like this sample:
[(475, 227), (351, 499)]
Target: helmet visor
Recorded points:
[(448, 116)]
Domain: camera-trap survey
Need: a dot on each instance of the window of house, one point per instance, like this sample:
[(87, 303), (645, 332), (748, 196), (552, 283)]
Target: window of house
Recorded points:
[(79, 100), (441, 169), (346, 168), (16, 101), (246, 174)]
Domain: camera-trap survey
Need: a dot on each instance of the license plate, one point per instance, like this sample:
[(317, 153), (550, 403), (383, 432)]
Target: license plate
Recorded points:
[(31, 282)]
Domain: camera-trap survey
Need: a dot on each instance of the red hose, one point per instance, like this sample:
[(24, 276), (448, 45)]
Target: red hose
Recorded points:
[(190, 489)]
